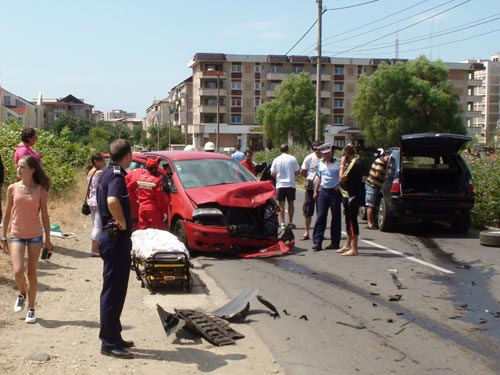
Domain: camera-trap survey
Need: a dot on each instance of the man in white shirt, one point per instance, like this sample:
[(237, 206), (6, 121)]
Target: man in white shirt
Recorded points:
[(284, 168), (309, 170)]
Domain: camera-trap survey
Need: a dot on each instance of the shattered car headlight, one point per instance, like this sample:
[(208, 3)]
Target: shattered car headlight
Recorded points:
[(209, 211)]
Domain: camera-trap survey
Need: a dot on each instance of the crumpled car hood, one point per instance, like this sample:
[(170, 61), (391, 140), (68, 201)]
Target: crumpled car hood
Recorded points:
[(244, 194)]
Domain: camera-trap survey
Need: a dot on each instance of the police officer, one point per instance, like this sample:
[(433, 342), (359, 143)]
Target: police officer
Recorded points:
[(115, 246)]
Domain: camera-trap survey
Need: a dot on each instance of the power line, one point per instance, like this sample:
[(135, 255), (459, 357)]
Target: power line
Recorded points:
[(371, 23), (302, 37), (406, 27), (442, 33), (354, 6), (390, 24), (433, 46)]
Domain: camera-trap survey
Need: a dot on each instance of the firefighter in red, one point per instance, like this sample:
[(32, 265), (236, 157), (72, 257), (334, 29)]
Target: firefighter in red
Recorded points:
[(146, 187)]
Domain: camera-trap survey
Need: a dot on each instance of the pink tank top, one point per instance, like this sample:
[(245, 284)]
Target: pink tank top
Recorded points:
[(25, 214)]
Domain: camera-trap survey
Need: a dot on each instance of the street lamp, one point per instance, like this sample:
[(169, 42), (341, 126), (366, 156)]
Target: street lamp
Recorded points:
[(217, 131)]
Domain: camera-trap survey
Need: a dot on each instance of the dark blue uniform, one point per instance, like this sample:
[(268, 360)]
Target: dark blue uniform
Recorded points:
[(115, 250)]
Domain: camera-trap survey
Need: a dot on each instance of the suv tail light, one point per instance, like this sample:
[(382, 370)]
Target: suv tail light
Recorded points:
[(471, 187), (395, 187)]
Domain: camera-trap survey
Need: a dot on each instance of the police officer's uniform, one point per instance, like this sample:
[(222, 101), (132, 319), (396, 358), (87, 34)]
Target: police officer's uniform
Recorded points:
[(115, 247)]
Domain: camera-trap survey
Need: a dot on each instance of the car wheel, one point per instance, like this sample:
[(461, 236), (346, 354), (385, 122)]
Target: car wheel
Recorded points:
[(180, 232), (385, 220), (490, 238), (461, 225), (362, 213)]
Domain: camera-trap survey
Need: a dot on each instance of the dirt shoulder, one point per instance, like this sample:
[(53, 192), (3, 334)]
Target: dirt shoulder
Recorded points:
[(65, 338)]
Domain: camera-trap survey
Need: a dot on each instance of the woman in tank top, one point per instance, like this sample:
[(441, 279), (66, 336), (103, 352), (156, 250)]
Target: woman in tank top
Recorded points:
[(26, 200)]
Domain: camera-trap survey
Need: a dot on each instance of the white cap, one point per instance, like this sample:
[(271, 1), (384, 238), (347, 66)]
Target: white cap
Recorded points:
[(189, 148), (380, 151), (209, 146)]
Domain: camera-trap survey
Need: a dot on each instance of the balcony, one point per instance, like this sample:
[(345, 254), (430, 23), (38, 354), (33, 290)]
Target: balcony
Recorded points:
[(211, 109), (324, 77), (212, 92), (276, 76), (326, 111), (473, 114), (212, 74), (326, 94), (475, 82), (270, 93), (473, 98)]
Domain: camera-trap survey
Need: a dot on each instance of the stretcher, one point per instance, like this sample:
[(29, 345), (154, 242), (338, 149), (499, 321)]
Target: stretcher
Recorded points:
[(160, 261)]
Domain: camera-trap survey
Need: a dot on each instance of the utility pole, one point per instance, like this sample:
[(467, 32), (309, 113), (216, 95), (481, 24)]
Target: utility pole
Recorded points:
[(317, 134)]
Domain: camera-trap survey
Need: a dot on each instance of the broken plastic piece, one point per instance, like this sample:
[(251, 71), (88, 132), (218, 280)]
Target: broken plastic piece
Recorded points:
[(395, 279), (237, 305)]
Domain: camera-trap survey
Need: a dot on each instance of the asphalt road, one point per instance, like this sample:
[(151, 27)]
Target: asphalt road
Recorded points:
[(337, 313)]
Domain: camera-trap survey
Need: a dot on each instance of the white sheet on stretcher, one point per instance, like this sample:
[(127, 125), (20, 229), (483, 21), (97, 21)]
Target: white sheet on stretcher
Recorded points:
[(146, 242)]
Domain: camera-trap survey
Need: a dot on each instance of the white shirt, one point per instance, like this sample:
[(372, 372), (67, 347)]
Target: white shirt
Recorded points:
[(284, 168), (310, 165)]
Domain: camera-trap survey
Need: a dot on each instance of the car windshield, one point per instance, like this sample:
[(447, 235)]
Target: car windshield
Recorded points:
[(209, 172)]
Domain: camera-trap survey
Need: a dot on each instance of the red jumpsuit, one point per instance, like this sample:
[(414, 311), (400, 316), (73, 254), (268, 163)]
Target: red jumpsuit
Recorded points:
[(147, 190)]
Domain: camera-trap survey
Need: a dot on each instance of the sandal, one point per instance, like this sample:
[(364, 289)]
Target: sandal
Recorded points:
[(304, 238), (350, 253)]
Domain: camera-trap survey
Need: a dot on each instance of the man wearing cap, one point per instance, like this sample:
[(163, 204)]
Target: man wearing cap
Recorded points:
[(372, 186), (309, 170), (328, 197), (147, 188)]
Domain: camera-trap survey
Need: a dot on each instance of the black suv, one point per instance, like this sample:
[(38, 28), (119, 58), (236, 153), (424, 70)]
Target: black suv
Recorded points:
[(427, 179)]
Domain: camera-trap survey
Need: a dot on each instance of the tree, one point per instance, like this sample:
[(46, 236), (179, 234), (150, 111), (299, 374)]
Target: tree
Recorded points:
[(291, 112), (406, 98)]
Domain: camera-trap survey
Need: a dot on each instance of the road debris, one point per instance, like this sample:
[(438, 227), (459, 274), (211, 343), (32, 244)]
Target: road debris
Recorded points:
[(395, 297), (359, 326), (395, 279)]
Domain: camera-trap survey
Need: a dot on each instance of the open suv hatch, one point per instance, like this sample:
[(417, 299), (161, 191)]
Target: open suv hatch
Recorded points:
[(427, 179)]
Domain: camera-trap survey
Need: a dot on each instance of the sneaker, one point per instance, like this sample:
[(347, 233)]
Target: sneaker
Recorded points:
[(30, 316), (317, 247), (282, 226), (292, 225), (19, 305)]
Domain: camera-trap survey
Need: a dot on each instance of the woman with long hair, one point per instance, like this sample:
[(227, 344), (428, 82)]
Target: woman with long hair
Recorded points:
[(26, 200), (93, 176)]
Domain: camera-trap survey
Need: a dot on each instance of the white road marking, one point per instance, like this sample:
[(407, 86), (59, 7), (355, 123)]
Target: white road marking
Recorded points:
[(416, 260)]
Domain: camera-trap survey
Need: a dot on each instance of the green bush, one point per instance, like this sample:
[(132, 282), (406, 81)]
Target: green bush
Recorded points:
[(62, 160), (486, 178)]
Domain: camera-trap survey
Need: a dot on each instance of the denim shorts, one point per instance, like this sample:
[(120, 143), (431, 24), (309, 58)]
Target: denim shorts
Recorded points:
[(372, 197), (26, 241)]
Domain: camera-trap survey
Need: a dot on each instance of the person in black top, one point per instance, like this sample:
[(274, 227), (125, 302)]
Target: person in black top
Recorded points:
[(351, 173), (115, 246)]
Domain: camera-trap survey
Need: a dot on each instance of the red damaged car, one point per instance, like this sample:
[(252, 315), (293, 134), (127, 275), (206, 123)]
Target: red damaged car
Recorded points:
[(217, 205)]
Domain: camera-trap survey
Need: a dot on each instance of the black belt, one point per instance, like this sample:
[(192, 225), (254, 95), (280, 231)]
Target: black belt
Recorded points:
[(328, 190)]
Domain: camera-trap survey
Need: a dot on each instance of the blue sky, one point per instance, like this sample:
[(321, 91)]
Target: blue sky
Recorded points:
[(121, 54)]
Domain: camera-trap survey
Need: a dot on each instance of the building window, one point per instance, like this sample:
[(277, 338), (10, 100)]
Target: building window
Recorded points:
[(339, 70), (211, 84), (338, 103), (273, 85), (257, 101), (236, 101), (277, 69), (236, 85), (6, 100), (236, 119), (338, 120), (322, 70), (211, 119), (236, 68), (257, 68), (297, 69), (360, 70), (338, 87), (211, 101), (257, 85)]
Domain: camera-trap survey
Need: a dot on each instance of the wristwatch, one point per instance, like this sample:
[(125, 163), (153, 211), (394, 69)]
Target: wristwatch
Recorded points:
[(3, 239)]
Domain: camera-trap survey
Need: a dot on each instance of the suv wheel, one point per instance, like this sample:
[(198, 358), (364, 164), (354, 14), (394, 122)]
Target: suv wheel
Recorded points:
[(461, 225), (362, 213), (385, 220)]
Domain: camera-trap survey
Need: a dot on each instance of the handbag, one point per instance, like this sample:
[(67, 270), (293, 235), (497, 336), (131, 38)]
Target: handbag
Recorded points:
[(85, 205)]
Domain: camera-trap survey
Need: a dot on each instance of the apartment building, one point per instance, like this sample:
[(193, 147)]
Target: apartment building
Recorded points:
[(487, 101), (234, 86), (118, 114), (13, 106), (175, 110), (69, 105)]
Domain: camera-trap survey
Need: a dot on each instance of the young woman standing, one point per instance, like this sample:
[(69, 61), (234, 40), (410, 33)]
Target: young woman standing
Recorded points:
[(25, 201), (93, 176)]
